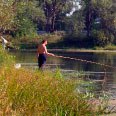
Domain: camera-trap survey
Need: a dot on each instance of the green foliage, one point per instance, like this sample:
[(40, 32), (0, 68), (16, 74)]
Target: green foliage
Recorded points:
[(107, 14), (55, 12), (99, 15), (75, 23), (26, 27), (29, 9), (23, 18), (6, 15), (37, 93), (32, 41), (110, 47), (58, 74), (101, 38), (107, 47), (6, 60), (28, 15)]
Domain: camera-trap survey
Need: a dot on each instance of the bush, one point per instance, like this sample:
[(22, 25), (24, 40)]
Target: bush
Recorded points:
[(110, 47), (24, 28), (32, 41), (101, 38)]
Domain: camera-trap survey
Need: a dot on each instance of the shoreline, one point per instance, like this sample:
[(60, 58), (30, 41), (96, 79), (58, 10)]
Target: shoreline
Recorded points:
[(80, 50), (67, 50)]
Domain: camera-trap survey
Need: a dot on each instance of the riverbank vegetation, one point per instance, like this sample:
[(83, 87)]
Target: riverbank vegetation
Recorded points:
[(27, 92), (64, 23)]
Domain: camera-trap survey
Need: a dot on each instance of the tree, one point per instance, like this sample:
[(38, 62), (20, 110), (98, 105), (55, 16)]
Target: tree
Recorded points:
[(75, 23), (101, 38), (88, 7), (107, 15), (53, 9), (101, 10), (6, 15), (28, 15)]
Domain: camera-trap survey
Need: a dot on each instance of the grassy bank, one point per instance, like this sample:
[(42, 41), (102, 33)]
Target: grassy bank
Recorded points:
[(57, 41), (108, 47), (34, 93), (31, 42)]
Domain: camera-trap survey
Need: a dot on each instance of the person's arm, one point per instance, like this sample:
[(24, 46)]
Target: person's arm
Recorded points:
[(46, 52)]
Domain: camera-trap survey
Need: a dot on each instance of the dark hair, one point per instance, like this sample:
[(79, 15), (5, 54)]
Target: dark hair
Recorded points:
[(43, 41)]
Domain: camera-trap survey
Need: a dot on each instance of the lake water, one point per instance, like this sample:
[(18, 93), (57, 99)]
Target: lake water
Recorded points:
[(104, 77)]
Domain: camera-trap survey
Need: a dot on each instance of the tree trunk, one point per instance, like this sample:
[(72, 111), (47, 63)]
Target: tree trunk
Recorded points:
[(53, 16), (88, 22), (47, 12), (48, 24), (53, 21)]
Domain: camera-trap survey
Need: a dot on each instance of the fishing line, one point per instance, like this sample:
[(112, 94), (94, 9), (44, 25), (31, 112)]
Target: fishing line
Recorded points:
[(97, 63)]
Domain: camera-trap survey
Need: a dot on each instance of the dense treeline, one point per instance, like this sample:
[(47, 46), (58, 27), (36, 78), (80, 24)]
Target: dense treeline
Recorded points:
[(90, 22)]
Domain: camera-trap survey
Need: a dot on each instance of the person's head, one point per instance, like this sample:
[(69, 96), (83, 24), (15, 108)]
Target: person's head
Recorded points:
[(44, 42)]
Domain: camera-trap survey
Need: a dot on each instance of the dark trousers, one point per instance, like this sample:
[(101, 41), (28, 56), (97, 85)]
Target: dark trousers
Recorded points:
[(41, 60)]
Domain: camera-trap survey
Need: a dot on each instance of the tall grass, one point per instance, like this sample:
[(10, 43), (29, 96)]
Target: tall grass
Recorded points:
[(23, 92), (108, 47), (6, 60), (35, 93)]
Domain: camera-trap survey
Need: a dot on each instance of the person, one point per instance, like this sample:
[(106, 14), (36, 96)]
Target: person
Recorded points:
[(41, 54)]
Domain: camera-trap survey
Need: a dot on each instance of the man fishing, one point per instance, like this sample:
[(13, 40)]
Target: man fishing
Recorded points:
[(41, 54)]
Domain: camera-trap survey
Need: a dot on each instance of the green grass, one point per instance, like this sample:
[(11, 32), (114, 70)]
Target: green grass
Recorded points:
[(108, 47), (23, 92), (34, 93), (31, 42)]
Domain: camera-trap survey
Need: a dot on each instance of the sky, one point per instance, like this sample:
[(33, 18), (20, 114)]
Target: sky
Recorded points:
[(74, 9)]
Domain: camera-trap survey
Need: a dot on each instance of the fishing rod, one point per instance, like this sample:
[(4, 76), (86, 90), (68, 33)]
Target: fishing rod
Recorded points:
[(86, 61)]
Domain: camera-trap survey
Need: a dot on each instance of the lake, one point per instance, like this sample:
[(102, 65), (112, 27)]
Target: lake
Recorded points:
[(104, 77)]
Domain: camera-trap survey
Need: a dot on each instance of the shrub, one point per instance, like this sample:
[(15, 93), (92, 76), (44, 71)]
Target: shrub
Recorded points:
[(25, 27), (32, 41), (110, 47), (101, 38)]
